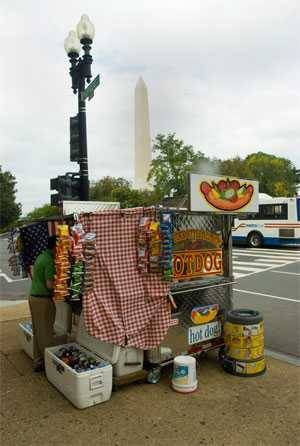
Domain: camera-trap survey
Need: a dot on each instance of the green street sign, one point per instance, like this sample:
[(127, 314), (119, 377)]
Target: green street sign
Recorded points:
[(88, 93)]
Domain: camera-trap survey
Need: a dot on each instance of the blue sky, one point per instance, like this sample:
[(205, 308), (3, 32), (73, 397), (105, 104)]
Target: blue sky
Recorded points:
[(223, 75)]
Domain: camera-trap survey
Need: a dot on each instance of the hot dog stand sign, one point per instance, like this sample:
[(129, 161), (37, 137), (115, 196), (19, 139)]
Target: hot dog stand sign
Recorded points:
[(223, 194), (196, 253)]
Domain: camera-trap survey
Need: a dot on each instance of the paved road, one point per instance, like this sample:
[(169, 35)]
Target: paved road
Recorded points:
[(269, 280), (11, 288)]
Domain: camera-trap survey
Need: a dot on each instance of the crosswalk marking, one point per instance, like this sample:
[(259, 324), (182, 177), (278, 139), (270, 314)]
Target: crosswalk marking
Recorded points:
[(286, 272), (5, 276), (237, 275), (9, 280), (292, 251), (269, 256), (248, 268), (262, 260), (273, 261), (276, 255), (267, 295), (237, 262)]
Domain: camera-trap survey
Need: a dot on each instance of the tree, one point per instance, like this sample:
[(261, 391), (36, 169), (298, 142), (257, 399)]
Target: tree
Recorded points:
[(108, 187), (120, 190), (234, 167), (173, 161), (43, 212), (10, 211), (277, 176)]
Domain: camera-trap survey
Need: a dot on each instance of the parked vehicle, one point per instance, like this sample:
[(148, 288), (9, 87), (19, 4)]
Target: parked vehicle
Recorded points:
[(277, 223)]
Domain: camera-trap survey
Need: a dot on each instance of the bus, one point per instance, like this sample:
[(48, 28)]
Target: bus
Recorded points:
[(277, 223)]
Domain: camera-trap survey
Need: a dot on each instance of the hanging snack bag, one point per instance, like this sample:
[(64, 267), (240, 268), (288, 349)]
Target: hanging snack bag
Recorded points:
[(89, 252), (155, 247), (62, 263), (76, 282), (143, 245), (77, 238), (167, 245), (63, 231)]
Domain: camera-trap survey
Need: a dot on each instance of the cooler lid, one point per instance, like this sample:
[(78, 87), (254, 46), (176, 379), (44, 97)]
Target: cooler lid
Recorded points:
[(109, 352)]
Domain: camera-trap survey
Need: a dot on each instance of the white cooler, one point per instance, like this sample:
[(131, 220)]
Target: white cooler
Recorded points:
[(83, 389), (62, 326), (125, 360), (25, 336)]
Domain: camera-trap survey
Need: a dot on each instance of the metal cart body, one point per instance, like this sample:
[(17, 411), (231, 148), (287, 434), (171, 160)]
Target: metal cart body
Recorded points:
[(189, 294)]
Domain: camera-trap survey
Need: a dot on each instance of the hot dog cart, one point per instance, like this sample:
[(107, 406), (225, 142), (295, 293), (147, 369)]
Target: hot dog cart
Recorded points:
[(201, 289)]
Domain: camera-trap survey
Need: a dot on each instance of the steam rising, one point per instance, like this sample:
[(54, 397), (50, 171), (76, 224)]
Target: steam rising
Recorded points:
[(206, 167)]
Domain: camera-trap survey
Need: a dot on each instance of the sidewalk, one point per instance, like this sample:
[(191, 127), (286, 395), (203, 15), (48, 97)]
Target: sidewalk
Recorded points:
[(225, 410)]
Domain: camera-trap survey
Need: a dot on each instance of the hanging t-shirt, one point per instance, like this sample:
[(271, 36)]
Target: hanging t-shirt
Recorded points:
[(34, 240)]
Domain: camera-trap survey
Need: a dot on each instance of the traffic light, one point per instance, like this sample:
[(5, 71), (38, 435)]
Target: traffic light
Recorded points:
[(75, 152), (55, 183), (55, 200), (72, 182), (67, 186)]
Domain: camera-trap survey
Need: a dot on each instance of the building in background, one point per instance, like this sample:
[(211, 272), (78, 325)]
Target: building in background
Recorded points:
[(142, 140)]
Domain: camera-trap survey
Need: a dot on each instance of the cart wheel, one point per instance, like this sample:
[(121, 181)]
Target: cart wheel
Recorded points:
[(221, 353), (154, 375)]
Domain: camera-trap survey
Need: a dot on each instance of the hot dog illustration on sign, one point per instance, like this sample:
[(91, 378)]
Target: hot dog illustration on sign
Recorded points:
[(203, 315), (227, 195)]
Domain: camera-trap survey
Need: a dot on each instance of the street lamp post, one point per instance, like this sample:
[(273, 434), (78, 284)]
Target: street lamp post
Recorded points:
[(80, 71)]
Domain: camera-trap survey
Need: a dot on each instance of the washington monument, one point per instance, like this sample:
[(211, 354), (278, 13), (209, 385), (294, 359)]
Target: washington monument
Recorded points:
[(142, 142)]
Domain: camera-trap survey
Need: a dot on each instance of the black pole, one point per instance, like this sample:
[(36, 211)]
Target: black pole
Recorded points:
[(80, 71), (83, 162)]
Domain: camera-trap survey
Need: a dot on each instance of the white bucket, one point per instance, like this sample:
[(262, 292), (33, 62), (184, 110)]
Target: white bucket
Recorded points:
[(184, 378)]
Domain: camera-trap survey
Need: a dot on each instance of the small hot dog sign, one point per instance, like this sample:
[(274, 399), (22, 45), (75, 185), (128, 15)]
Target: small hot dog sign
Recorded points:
[(223, 194)]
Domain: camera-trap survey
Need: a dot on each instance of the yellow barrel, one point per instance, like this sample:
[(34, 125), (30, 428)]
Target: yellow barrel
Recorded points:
[(244, 329), (246, 353), (244, 368), (244, 343)]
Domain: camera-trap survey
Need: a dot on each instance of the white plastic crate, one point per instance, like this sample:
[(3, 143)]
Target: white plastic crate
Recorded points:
[(82, 389), (25, 336), (125, 360)]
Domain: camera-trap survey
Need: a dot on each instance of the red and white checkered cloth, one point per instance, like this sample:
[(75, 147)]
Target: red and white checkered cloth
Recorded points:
[(125, 307)]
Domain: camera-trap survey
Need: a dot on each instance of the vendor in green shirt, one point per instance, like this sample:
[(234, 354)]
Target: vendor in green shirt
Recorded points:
[(42, 307), (43, 274)]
